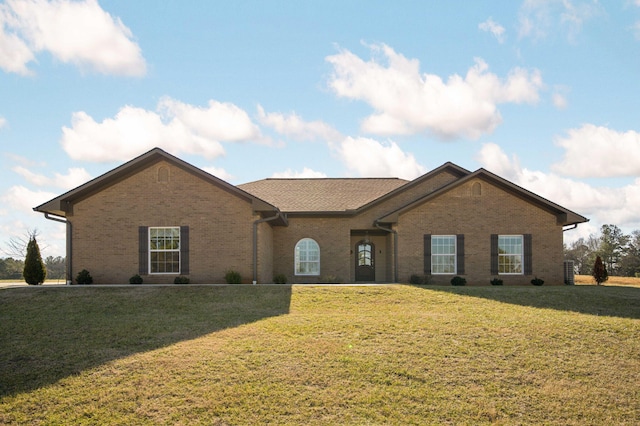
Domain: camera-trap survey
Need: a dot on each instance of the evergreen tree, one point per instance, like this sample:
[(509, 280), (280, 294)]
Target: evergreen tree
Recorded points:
[(34, 270), (599, 271)]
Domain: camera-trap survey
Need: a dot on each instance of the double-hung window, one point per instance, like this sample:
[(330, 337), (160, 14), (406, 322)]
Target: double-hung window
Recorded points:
[(443, 254), (164, 250), (307, 257), (510, 254)]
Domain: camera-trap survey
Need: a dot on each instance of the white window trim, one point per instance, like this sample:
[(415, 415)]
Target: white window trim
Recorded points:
[(296, 261), (455, 255), (512, 254), (165, 251)]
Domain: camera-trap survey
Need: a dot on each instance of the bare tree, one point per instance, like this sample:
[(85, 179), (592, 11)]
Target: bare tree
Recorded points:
[(17, 246)]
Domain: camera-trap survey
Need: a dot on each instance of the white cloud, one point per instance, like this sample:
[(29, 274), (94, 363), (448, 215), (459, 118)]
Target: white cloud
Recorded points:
[(601, 205), (22, 199), (305, 173), (494, 159), (75, 177), (539, 18), (3, 122), (219, 173), (596, 151), (559, 97), (176, 127), (407, 102), (293, 126), (370, 158), (559, 100), (218, 121), (494, 28), (77, 32)]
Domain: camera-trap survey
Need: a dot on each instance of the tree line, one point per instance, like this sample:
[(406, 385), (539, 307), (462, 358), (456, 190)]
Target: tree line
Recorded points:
[(620, 253), (12, 269)]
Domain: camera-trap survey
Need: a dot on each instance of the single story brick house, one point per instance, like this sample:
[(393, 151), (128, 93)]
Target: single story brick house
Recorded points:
[(160, 217)]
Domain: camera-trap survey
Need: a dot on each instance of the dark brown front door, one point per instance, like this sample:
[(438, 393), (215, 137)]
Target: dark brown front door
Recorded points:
[(365, 261)]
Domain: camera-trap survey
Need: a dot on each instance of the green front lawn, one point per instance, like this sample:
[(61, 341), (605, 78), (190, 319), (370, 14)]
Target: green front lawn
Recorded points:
[(320, 355)]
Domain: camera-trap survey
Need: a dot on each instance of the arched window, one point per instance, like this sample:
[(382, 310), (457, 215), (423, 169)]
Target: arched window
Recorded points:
[(307, 257)]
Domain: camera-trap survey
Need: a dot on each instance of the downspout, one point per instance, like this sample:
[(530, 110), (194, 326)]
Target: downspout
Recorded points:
[(68, 250), (255, 243), (395, 248)]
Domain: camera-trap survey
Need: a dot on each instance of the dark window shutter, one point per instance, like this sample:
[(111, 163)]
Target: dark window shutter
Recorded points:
[(494, 254), (460, 254), (143, 250), (528, 256), (427, 254), (184, 250)]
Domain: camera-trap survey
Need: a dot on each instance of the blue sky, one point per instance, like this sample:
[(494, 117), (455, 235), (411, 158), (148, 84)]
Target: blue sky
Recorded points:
[(545, 93)]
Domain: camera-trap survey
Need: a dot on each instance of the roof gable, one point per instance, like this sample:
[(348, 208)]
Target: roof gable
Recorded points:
[(447, 167), (61, 205), (565, 216)]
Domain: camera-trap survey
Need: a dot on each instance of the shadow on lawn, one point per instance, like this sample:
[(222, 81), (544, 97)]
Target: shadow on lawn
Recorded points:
[(47, 334), (615, 301)]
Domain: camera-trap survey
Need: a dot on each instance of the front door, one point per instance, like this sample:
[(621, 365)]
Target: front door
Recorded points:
[(365, 261)]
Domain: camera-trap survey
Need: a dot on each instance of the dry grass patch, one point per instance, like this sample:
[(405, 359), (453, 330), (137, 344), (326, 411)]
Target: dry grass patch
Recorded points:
[(613, 280), (322, 355)]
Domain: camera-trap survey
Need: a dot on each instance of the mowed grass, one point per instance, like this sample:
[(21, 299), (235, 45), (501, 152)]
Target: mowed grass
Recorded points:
[(320, 355)]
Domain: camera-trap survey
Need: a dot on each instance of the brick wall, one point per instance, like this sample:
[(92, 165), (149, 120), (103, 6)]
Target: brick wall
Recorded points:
[(333, 235), (495, 211), (105, 231), (105, 226), (265, 253)]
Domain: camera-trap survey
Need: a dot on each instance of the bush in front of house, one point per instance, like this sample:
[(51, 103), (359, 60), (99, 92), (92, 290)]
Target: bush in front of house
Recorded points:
[(537, 281), (458, 281), (280, 279), (84, 277), (232, 277), (181, 280), (496, 281), (416, 279), (136, 279)]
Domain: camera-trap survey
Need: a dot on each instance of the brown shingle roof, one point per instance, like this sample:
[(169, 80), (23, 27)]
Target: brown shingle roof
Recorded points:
[(321, 195)]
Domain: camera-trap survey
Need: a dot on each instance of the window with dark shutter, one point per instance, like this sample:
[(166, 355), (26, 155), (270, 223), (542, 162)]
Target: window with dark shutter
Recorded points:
[(143, 250), (494, 254), (184, 250), (427, 254), (528, 254), (460, 254)]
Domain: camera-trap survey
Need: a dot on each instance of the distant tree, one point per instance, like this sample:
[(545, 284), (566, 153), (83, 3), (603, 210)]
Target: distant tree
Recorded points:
[(34, 270), (612, 245), (55, 267), (579, 252), (599, 271), (11, 269), (630, 259)]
